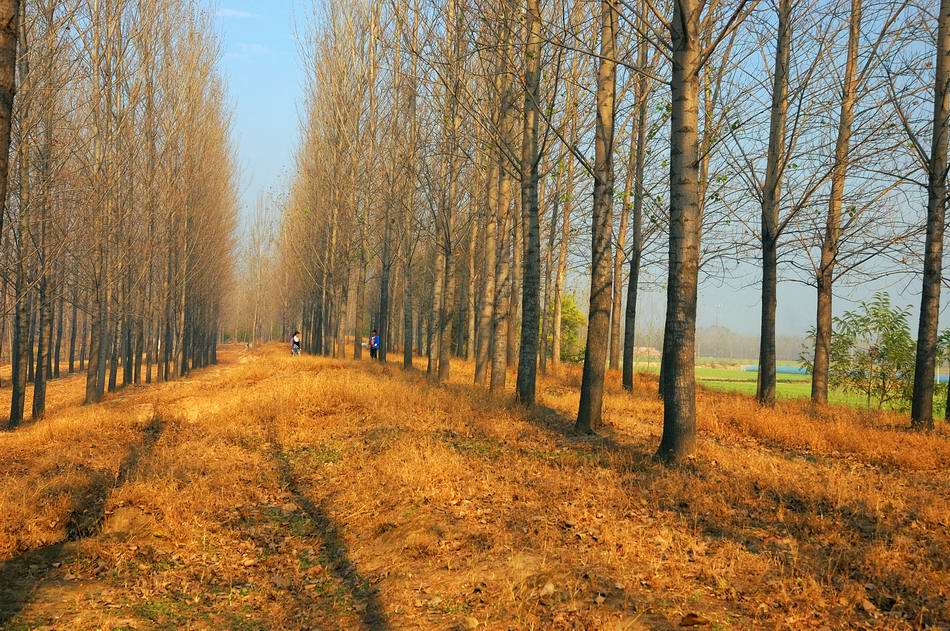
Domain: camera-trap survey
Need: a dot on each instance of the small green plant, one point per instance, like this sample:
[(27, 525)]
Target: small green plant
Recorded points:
[(872, 353), (572, 321)]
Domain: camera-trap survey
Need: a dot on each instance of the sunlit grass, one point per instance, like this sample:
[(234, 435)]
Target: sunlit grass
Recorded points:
[(317, 493)]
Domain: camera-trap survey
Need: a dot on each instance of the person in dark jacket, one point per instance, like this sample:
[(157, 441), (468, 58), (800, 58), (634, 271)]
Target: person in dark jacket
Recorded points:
[(374, 344)]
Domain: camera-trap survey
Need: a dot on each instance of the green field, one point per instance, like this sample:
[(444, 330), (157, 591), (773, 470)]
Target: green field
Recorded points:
[(727, 375)]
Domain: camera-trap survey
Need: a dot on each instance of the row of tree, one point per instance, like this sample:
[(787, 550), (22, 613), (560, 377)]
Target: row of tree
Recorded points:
[(116, 235), (460, 159)]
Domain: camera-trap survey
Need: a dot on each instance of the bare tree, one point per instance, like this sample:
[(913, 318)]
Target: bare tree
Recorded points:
[(922, 400), (595, 355)]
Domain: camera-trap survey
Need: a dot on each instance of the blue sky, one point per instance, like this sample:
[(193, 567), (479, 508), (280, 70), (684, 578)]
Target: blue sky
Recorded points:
[(261, 65)]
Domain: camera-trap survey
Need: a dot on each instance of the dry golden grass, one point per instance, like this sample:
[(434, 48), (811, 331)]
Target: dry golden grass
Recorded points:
[(272, 492)]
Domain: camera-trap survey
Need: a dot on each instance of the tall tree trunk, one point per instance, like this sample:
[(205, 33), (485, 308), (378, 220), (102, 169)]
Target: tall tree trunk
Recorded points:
[(19, 357), (446, 312), (31, 340), (44, 302), (115, 341), (360, 307), (42, 343), (84, 338), (73, 326), (140, 341), (619, 253), (4, 284), (92, 367), (561, 272), (407, 312), (9, 30), (530, 161), (499, 333), (590, 409), (771, 201), (453, 121), (546, 306), (438, 286), (829, 245), (127, 322), (486, 312), (60, 317), (644, 86), (384, 284), (346, 296), (471, 299), (922, 402), (514, 304), (679, 343)]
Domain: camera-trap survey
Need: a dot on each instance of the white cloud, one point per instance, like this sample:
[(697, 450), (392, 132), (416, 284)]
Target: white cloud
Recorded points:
[(245, 51), (236, 13)]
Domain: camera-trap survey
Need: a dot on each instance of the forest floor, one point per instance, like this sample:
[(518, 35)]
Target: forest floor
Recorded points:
[(270, 492)]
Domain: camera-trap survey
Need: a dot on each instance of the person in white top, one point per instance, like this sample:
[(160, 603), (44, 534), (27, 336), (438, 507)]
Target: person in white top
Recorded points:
[(295, 343)]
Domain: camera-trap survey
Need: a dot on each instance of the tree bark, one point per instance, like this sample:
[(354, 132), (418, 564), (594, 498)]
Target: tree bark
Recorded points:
[(438, 286), (9, 31), (616, 302), (547, 310), (590, 409), (60, 317), (530, 160), (514, 303), (561, 271), (19, 359), (499, 334), (644, 86), (486, 311), (771, 201), (922, 402), (829, 245), (73, 326), (678, 376), (452, 123), (471, 298)]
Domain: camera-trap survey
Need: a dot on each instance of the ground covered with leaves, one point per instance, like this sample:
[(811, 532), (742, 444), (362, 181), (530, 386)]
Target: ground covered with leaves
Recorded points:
[(272, 492)]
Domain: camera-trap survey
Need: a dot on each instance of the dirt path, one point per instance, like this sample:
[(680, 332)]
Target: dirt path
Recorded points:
[(238, 537)]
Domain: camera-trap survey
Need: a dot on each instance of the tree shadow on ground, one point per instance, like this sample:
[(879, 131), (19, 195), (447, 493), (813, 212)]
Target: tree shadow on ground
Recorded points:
[(754, 527), (22, 575), (373, 615), (789, 541)]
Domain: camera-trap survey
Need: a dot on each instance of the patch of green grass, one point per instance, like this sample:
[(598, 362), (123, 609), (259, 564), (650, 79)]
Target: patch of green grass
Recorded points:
[(452, 607), (475, 446), (243, 621), (162, 611), (378, 439), (322, 454), (307, 561)]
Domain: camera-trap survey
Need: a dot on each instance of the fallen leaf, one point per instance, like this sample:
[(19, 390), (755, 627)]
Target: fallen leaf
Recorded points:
[(693, 620), (868, 606)]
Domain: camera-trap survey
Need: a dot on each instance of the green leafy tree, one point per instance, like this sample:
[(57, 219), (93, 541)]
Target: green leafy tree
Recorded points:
[(572, 323), (872, 353)]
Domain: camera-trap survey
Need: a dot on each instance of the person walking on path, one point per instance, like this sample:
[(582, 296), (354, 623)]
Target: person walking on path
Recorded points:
[(374, 345), (295, 344)]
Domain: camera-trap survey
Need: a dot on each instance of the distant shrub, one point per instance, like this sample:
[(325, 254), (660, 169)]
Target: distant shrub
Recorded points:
[(872, 353), (572, 323)]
